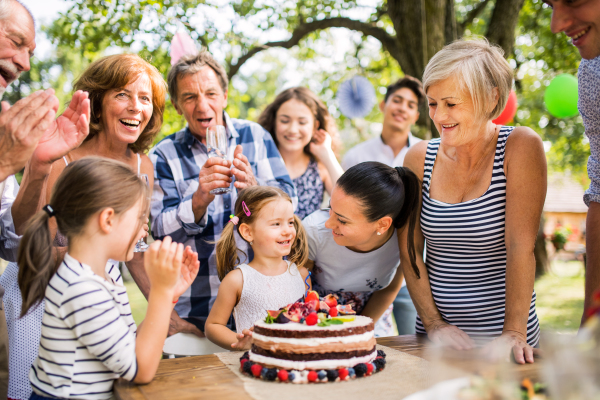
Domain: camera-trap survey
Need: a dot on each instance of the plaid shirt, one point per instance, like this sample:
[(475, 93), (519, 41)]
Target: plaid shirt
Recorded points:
[(177, 161)]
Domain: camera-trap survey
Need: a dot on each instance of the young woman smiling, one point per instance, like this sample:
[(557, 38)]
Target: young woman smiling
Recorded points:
[(302, 129), (354, 246)]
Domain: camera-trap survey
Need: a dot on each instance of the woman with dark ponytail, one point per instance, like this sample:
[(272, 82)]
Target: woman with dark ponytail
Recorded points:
[(354, 247)]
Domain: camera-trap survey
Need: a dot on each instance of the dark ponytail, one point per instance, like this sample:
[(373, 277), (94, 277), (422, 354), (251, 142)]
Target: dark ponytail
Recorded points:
[(36, 261), (85, 187), (408, 212), (386, 191)]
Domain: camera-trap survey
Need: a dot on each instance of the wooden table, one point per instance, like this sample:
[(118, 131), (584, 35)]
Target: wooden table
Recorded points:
[(206, 377)]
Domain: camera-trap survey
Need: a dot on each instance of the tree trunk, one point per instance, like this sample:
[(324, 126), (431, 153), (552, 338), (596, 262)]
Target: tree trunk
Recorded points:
[(503, 24), (539, 251), (408, 18)]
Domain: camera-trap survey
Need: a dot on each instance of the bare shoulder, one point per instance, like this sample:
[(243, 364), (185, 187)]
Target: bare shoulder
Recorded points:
[(146, 163), (147, 167), (415, 158), (524, 142), (322, 170), (523, 135), (58, 167), (303, 272), (525, 158), (233, 280)]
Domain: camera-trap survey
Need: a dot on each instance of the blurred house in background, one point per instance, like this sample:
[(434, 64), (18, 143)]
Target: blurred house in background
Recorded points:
[(565, 214)]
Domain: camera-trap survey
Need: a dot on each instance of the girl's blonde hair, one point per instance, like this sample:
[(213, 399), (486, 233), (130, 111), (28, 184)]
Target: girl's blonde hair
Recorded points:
[(86, 187), (479, 67), (255, 198)]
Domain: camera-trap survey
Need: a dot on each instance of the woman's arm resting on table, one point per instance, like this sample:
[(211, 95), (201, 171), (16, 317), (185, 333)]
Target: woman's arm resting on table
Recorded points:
[(525, 170), (419, 288), (216, 324)]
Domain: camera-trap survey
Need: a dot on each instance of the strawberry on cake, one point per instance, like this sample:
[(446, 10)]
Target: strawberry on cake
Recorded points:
[(315, 340)]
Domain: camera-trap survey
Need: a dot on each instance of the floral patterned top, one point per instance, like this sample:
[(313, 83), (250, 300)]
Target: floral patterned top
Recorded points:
[(589, 107), (309, 187)]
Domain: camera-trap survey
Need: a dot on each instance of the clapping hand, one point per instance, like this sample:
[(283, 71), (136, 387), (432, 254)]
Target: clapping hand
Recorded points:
[(244, 340), (67, 132), (22, 126), (189, 269), (163, 264)]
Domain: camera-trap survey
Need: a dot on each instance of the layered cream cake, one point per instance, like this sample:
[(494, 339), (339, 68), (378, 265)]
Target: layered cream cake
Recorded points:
[(313, 341), (299, 346)]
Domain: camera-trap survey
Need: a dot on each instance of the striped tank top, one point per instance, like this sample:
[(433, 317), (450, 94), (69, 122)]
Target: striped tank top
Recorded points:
[(466, 254)]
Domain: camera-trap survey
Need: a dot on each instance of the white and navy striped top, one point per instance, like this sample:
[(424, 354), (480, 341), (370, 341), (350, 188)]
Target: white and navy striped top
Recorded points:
[(466, 254), (88, 336)]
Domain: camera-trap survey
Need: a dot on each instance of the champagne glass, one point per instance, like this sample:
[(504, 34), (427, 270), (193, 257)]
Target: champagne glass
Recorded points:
[(216, 144), (142, 246)]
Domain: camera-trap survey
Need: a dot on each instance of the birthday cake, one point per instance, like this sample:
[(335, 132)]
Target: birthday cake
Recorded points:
[(315, 340)]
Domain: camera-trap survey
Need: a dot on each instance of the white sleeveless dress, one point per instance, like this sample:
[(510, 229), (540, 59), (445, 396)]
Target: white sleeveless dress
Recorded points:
[(261, 293)]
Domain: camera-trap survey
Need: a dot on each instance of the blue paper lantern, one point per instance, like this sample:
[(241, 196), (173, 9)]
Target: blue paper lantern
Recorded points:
[(356, 97)]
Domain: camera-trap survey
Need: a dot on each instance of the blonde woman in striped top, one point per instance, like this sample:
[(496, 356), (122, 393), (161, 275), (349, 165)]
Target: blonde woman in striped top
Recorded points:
[(89, 338), (482, 196)]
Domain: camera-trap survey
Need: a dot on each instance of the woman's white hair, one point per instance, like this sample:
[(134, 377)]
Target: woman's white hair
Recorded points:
[(479, 67)]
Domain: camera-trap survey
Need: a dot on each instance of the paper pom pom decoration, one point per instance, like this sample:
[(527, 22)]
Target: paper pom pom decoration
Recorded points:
[(509, 110), (181, 45), (356, 97), (561, 96)]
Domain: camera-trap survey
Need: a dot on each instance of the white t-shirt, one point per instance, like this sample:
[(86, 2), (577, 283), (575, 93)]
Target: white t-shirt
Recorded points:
[(339, 269), (375, 150)]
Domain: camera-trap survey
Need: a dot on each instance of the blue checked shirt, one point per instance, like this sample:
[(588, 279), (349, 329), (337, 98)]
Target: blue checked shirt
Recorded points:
[(177, 161)]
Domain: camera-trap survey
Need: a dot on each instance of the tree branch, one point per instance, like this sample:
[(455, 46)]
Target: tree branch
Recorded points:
[(471, 15), (388, 41)]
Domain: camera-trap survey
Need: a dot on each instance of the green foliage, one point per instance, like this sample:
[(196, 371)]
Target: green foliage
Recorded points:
[(92, 28), (539, 56)]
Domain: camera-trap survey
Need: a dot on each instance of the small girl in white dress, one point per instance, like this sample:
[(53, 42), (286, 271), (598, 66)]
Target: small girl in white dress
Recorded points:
[(264, 217)]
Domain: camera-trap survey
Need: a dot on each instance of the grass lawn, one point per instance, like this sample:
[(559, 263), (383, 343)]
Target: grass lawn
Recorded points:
[(559, 297), (137, 301)]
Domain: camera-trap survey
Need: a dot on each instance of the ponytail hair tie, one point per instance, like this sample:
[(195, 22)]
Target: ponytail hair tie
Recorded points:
[(233, 219), (49, 210), (401, 171)]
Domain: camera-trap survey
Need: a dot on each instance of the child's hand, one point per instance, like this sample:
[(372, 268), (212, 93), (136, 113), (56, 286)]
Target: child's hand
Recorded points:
[(162, 262), (244, 340), (189, 269)]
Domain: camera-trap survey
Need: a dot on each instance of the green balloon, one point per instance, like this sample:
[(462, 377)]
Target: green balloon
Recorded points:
[(561, 96)]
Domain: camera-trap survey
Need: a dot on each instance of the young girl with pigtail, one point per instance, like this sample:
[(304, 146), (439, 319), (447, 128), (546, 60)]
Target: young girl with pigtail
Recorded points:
[(88, 334), (264, 217)]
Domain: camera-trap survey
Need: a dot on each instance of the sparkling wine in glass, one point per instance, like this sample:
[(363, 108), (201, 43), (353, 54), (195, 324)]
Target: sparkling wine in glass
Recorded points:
[(142, 246), (216, 144)]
